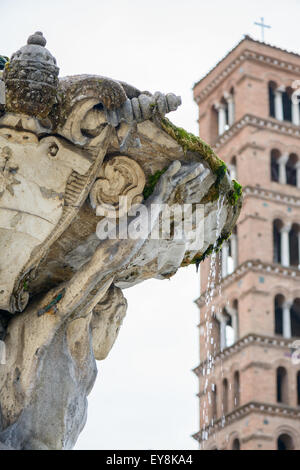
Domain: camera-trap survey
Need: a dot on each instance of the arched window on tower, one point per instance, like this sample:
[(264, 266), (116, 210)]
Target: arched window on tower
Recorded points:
[(291, 170), (231, 107), (294, 237), (232, 168), (214, 403), (279, 300), (285, 442), (235, 320), (271, 87), (229, 254), (236, 389), (236, 445), (214, 123), (275, 155), (232, 261), (277, 225), (287, 104), (282, 385), (225, 396), (298, 388), (229, 330), (222, 115), (295, 318)]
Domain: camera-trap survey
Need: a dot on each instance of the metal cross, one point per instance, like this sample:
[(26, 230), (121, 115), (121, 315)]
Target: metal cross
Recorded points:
[(262, 25)]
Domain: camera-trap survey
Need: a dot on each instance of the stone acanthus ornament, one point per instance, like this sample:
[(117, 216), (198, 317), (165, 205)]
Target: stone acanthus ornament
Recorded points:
[(67, 147)]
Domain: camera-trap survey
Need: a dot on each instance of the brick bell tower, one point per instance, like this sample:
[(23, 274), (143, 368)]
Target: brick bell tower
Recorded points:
[(249, 113)]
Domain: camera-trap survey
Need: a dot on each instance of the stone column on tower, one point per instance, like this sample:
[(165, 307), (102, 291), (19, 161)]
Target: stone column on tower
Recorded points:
[(231, 110), (234, 251), (234, 321), (295, 113), (221, 117), (282, 161), (285, 245), (222, 319), (298, 173), (286, 319), (225, 250), (279, 103)]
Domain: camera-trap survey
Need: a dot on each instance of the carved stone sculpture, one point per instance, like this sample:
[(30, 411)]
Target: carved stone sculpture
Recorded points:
[(69, 149)]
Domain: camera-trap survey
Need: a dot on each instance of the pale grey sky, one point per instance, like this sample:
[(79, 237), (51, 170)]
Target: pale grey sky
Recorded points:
[(144, 397)]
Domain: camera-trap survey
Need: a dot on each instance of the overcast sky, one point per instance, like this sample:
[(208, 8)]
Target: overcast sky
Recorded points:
[(144, 397)]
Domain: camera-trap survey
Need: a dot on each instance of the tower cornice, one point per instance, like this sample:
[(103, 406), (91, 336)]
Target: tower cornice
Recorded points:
[(249, 408), (269, 124), (253, 266), (246, 54), (270, 195), (251, 339)]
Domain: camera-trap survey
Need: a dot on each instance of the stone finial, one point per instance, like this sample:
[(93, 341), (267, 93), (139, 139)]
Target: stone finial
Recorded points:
[(37, 38), (31, 79)]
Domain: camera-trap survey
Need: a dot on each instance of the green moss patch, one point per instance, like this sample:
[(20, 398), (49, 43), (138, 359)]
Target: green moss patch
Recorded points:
[(235, 194), (211, 248), (192, 143), (151, 182)]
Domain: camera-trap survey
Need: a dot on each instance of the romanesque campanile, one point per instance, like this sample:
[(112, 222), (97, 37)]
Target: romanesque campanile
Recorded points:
[(249, 112)]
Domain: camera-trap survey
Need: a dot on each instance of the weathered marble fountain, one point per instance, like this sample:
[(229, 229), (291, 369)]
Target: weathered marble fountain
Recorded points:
[(67, 147)]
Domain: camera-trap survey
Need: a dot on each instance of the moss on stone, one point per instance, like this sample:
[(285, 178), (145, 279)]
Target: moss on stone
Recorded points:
[(192, 143), (199, 257), (212, 195), (25, 286), (235, 194), (151, 183)]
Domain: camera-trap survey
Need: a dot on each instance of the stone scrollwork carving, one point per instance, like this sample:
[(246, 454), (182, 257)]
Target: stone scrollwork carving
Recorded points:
[(120, 176)]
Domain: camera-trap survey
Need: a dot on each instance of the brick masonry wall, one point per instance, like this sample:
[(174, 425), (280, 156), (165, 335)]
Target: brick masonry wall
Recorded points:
[(255, 286)]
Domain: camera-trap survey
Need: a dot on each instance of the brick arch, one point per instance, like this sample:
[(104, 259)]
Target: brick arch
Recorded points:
[(235, 366), (230, 83), (281, 290), (232, 152), (295, 294), (215, 99), (275, 145), (235, 295), (231, 438), (293, 149), (287, 429), (272, 76), (278, 214), (210, 103), (225, 88), (236, 437), (281, 362), (219, 304)]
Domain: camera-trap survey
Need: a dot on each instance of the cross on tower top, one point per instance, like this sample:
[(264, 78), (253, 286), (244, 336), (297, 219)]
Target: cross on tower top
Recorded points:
[(262, 25)]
